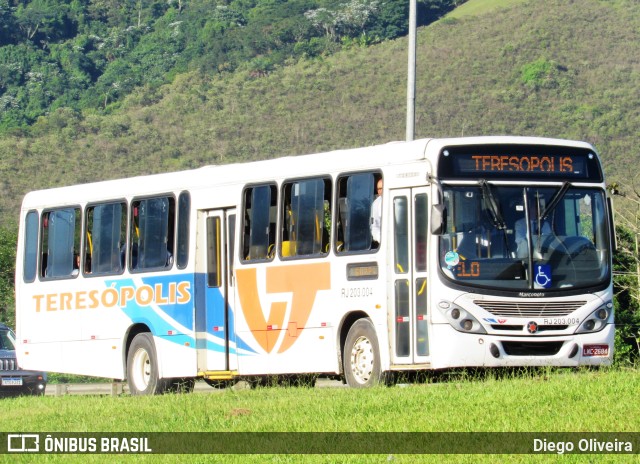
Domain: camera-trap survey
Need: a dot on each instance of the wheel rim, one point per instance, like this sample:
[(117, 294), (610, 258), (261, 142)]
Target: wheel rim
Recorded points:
[(141, 369), (362, 360)]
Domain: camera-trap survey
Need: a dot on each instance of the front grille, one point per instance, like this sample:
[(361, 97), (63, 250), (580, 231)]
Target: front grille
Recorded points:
[(506, 327), (531, 348), (529, 308), (9, 364), (541, 328)]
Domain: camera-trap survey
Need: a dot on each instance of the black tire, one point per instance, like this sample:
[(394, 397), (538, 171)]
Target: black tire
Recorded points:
[(361, 358), (142, 368)]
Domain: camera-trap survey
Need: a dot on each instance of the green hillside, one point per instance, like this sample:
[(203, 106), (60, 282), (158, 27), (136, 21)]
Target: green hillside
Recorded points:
[(479, 7), (556, 68)]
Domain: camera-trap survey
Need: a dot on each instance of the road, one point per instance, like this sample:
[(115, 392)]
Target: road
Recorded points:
[(119, 388)]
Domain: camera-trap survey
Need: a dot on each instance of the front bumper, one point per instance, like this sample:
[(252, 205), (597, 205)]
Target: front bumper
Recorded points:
[(453, 349), (21, 382)]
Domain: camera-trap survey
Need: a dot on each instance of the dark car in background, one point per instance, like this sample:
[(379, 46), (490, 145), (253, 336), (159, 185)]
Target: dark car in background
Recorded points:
[(13, 380)]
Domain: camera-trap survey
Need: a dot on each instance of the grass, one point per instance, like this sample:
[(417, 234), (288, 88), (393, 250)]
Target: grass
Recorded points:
[(536, 401), (479, 7)]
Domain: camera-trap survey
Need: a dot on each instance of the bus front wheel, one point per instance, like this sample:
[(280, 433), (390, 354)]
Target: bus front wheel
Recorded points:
[(142, 367), (361, 355)]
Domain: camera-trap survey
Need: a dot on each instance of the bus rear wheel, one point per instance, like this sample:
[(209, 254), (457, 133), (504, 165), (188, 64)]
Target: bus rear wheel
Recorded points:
[(361, 360), (142, 367)]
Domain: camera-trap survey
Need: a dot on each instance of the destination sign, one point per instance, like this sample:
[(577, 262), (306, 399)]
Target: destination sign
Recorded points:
[(502, 163), (520, 161)]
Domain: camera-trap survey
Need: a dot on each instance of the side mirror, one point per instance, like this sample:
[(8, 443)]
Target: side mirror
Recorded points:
[(612, 227), (438, 219)]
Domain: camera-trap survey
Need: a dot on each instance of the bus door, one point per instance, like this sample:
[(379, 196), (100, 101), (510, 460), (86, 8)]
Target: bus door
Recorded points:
[(214, 291), (408, 279)]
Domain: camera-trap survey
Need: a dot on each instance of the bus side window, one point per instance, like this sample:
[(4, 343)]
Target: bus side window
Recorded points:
[(152, 233), (104, 238), (421, 214), (355, 197), (30, 246), (259, 213), (306, 225), (60, 243), (182, 248)]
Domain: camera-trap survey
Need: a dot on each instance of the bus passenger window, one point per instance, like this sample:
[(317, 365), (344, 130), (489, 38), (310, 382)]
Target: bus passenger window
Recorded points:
[(356, 194), (105, 236), (30, 246), (152, 234), (401, 235), (214, 252), (306, 226), (259, 207), (60, 242), (421, 221), (231, 233), (184, 206)]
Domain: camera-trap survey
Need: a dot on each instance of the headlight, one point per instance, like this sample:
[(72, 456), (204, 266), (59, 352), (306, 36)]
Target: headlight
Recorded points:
[(460, 319), (597, 319)]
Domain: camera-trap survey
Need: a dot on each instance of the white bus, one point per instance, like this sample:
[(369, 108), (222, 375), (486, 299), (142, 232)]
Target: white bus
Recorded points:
[(493, 251)]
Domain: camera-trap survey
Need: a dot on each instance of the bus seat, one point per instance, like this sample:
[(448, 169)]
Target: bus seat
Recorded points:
[(288, 248)]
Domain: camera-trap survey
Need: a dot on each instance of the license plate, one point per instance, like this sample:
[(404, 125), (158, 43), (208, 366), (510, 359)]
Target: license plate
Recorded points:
[(12, 382), (595, 350)]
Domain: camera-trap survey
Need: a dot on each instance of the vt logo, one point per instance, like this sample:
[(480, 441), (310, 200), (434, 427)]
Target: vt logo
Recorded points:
[(303, 283)]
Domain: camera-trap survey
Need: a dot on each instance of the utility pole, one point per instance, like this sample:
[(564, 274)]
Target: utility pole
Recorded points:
[(411, 73)]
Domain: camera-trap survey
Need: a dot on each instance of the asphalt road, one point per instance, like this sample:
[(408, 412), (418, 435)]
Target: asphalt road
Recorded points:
[(118, 388)]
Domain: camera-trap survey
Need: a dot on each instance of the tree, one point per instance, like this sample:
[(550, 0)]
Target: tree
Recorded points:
[(86, 54), (43, 21), (627, 271), (7, 23), (8, 241)]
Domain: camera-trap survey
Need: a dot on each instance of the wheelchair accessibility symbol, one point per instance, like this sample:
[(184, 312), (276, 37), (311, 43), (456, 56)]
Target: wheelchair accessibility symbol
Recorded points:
[(543, 276)]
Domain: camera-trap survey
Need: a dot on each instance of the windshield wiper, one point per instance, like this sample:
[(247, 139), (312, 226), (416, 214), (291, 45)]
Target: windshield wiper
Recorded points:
[(492, 203), (555, 200)]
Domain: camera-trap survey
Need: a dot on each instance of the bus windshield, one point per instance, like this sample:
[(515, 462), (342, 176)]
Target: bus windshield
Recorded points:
[(525, 238)]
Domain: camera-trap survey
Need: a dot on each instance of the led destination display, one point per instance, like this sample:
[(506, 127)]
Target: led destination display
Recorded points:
[(538, 162)]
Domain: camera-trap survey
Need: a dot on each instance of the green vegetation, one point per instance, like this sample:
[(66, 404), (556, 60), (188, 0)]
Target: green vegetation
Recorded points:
[(627, 304), (541, 400), (479, 7), (84, 55), (8, 243), (540, 74)]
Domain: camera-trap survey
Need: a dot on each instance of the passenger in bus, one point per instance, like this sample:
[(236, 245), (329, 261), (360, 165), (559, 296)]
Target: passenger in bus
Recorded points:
[(376, 216)]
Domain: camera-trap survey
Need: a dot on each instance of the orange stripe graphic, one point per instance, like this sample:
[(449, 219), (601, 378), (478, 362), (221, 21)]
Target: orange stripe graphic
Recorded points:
[(302, 281)]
